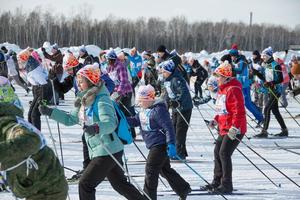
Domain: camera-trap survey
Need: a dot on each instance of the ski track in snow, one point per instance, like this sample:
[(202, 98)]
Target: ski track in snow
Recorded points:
[(246, 178)]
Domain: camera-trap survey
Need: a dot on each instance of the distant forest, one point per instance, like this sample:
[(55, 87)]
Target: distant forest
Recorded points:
[(33, 28)]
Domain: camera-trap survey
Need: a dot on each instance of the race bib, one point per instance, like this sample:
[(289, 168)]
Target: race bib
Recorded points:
[(144, 116)]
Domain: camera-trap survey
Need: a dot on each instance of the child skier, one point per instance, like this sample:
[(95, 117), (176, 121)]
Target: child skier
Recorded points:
[(98, 128), (158, 133), (21, 146)]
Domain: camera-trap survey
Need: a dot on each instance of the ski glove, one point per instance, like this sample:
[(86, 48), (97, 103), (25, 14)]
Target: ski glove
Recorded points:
[(45, 110), (174, 104), (212, 124), (171, 150), (232, 132), (92, 129)]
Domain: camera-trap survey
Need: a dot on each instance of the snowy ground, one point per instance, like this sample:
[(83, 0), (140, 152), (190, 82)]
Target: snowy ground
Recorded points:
[(248, 181)]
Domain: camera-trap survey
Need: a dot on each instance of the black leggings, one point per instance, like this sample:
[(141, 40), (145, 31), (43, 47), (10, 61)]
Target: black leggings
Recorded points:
[(272, 105)]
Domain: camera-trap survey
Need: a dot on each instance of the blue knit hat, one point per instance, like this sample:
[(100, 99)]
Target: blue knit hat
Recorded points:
[(234, 52), (168, 66), (111, 55), (268, 51)]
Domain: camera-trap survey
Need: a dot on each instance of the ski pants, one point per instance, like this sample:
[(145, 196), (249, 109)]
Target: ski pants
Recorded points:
[(224, 148), (198, 87), (41, 92), (251, 106), (272, 105), (101, 167), (181, 128), (158, 162)]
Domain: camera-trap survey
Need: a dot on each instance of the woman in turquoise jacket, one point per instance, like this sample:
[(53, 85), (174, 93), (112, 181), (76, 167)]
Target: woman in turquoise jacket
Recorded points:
[(95, 111)]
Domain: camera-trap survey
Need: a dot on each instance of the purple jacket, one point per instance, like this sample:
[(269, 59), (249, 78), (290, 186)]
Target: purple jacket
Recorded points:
[(155, 123), (118, 73)]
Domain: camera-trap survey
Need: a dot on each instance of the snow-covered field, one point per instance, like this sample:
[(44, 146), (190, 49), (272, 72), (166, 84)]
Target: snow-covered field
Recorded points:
[(248, 181)]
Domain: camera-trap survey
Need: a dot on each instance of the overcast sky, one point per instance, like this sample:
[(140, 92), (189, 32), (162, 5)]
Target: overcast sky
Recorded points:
[(283, 12)]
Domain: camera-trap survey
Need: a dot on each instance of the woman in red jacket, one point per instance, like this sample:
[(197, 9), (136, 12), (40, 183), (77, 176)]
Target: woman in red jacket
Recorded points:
[(231, 120)]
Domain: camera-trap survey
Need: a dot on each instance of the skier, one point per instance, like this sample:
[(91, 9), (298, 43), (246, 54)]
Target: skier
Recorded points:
[(96, 126), (201, 75), (123, 89), (33, 171), (57, 70), (272, 78), (231, 121), (135, 66), (13, 68), (164, 55), (158, 133), (84, 58), (242, 74), (37, 76), (179, 99)]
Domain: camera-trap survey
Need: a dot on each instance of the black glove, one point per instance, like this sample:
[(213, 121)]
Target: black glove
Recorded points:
[(174, 104), (43, 49), (92, 129), (45, 110)]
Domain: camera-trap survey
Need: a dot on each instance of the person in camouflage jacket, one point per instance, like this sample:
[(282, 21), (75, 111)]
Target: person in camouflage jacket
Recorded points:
[(32, 170)]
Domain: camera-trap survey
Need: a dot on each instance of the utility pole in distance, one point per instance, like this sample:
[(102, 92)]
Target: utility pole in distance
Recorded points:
[(250, 33)]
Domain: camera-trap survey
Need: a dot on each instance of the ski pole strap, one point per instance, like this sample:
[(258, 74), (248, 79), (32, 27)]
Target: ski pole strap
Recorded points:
[(30, 164)]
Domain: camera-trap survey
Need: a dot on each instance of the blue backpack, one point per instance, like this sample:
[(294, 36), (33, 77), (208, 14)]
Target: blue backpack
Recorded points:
[(123, 129)]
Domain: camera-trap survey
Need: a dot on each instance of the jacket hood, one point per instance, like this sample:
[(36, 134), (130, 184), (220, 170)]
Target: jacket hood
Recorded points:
[(232, 82)]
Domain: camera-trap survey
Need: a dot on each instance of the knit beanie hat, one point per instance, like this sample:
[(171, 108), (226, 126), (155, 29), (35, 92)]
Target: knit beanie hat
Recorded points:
[(168, 66), (71, 62), (91, 72), (267, 52), (146, 93)]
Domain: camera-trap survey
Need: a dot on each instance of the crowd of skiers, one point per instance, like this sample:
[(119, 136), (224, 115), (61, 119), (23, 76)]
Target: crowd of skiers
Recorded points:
[(155, 82)]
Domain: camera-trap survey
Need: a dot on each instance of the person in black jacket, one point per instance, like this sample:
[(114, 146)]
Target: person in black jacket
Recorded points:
[(179, 99), (201, 74), (164, 55), (84, 58)]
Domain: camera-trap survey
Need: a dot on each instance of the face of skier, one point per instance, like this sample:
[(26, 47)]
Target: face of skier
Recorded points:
[(297, 76), (83, 84), (165, 73), (265, 58), (146, 103), (160, 54), (221, 79)]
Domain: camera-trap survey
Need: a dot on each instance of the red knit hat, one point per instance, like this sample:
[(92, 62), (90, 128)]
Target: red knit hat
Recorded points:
[(91, 72), (71, 62), (224, 69)]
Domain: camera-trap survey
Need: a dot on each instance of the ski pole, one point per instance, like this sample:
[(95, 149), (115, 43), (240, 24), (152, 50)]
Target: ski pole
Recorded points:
[(58, 128), (126, 167), (206, 122), (268, 162), (283, 106), (119, 164), (72, 170), (146, 160), (193, 170)]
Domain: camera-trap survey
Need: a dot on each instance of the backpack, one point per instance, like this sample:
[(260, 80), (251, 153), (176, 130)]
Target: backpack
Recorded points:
[(123, 129)]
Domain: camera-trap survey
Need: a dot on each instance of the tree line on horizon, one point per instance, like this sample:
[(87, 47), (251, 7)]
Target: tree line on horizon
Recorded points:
[(33, 28)]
